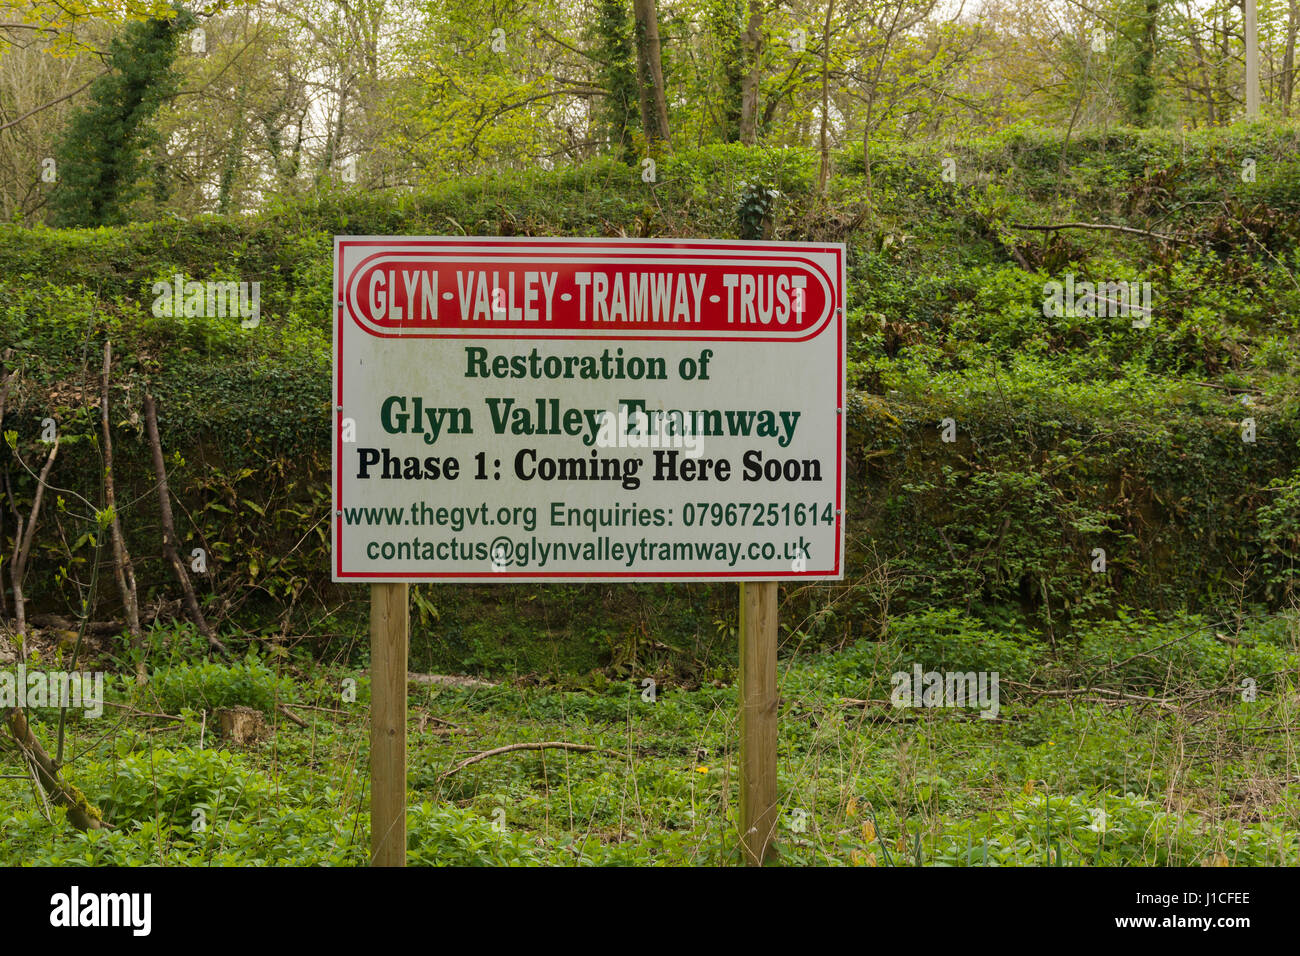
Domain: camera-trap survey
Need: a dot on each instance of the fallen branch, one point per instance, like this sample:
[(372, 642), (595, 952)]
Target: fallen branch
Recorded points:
[(1105, 692), (1104, 695), (284, 709), (544, 745), (1230, 389), (323, 710), (1101, 226), (441, 720), (60, 623), (135, 712), (81, 814), (425, 718), (910, 714), (447, 680)]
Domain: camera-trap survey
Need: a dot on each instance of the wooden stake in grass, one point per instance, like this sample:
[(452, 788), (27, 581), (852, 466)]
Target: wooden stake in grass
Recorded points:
[(389, 631), (169, 529), (758, 720)]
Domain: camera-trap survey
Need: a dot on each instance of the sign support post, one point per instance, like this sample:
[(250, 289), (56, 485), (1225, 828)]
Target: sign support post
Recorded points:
[(758, 719), (389, 629)]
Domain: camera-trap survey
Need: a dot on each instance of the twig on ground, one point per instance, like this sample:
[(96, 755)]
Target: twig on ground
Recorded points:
[(1102, 226), (542, 745), (284, 709)]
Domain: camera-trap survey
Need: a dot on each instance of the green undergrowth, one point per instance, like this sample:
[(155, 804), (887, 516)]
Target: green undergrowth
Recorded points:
[(1070, 432), (1140, 748)]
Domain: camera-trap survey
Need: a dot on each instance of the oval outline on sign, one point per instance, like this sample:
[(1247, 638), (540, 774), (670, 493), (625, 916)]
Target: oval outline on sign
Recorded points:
[(590, 257)]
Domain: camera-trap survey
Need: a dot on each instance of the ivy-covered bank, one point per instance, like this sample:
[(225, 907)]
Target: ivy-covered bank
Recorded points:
[(1030, 466)]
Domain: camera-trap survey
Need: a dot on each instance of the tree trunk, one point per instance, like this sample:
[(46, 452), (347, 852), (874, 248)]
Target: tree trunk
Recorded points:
[(650, 75), (824, 172), (1288, 59), (81, 814), (749, 86), (866, 150), (1207, 89), (123, 570), (234, 154), (169, 529), (24, 534), (6, 379), (617, 116)]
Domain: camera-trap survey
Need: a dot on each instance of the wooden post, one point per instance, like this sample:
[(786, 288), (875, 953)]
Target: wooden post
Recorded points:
[(758, 713), (1252, 60), (389, 628)]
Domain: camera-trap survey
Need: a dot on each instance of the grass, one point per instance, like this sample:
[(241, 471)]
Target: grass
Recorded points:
[(1091, 761)]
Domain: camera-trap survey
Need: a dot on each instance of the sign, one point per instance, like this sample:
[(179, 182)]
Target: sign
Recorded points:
[(587, 409)]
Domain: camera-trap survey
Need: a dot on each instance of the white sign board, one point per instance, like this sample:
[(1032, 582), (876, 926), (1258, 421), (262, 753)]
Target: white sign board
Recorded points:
[(587, 409)]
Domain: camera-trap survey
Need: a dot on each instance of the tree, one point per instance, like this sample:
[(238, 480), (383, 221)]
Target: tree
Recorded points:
[(36, 96), (749, 90), (725, 18), (1138, 24), (477, 93), (617, 72), (650, 74), (1286, 75), (61, 24), (99, 155)]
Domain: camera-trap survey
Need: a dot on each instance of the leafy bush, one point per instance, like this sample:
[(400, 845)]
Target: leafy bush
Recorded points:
[(170, 785), (213, 684), (451, 836), (1146, 654), (948, 640), (1078, 830)]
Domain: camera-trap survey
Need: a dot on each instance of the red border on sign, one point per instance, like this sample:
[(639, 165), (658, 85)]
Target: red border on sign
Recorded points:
[(838, 320)]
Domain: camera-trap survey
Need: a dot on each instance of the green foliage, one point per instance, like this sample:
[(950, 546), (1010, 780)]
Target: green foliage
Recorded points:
[(482, 106), (1279, 521), (449, 836), (947, 640), (211, 685), (1086, 778), (611, 43), (1150, 656), (99, 156), (183, 806), (1138, 27), (1043, 829), (723, 170), (1075, 432), (169, 785), (757, 203)]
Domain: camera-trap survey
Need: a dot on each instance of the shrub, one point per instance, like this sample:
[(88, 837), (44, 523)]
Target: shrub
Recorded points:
[(211, 684)]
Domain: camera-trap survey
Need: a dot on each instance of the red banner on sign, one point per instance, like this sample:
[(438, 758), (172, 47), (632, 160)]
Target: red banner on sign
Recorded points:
[(443, 287)]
